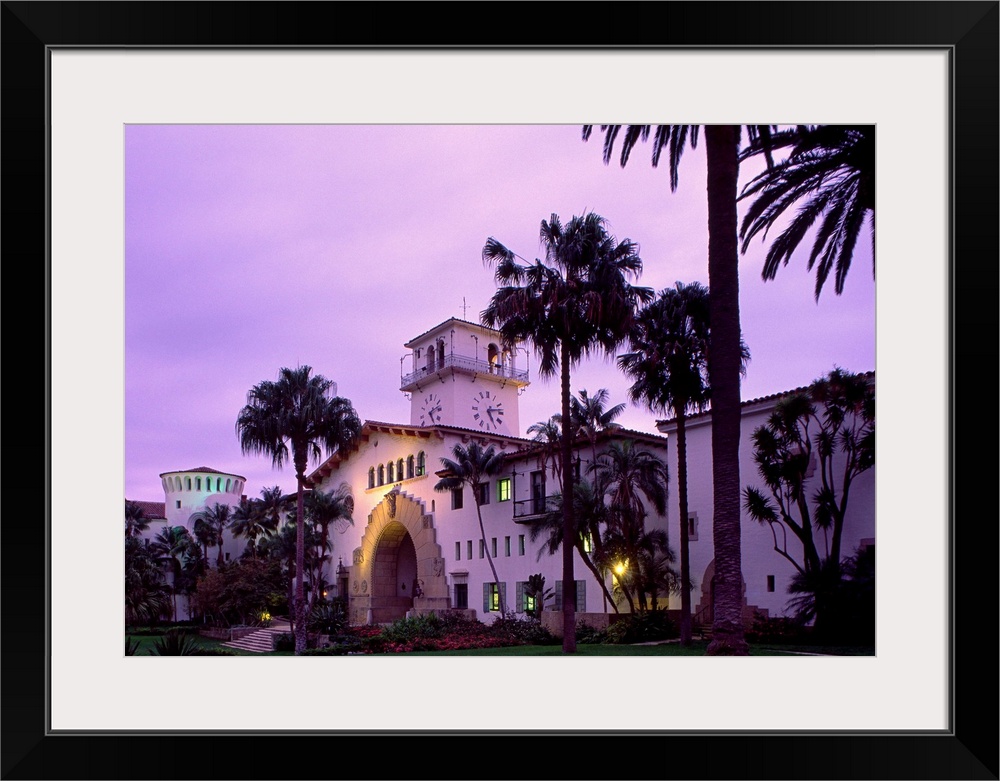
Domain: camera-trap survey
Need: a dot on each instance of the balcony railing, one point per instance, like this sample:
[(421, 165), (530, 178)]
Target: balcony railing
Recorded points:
[(465, 364), (531, 509)]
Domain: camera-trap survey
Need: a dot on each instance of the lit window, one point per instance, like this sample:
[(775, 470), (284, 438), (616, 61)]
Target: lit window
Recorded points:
[(491, 596), (456, 499), (588, 543), (503, 489)]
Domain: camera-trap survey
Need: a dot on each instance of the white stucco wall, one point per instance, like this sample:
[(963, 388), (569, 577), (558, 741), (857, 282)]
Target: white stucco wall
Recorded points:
[(757, 542)]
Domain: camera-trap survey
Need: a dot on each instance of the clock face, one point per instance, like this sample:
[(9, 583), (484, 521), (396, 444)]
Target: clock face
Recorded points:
[(487, 411), (430, 410)]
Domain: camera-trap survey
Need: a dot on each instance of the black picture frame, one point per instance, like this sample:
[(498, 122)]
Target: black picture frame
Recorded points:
[(968, 30)]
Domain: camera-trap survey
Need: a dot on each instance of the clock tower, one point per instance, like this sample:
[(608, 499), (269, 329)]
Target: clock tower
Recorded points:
[(462, 375)]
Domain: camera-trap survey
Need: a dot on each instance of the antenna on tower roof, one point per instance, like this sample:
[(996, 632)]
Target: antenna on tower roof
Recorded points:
[(464, 308)]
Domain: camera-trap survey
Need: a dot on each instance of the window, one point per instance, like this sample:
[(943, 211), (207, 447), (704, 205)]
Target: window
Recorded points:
[(468, 549), (409, 466), (391, 471), (421, 465), (588, 543), (188, 480), (458, 551), (371, 477), (770, 582), (503, 489), (520, 545), (399, 469), (484, 493), (482, 549), (524, 601), (692, 526), (462, 596), (456, 498), (227, 557), (197, 483), (493, 547), (581, 596), (538, 492), (506, 546), (178, 504), (381, 474), (491, 596)]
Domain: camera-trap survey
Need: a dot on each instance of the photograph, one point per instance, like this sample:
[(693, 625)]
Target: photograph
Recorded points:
[(278, 277)]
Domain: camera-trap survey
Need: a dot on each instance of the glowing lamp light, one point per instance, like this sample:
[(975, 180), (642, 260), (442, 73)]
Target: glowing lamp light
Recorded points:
[(619, 569)]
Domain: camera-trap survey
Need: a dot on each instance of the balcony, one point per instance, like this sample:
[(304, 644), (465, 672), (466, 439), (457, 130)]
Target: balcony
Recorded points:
[(530, 510), (469, 365)]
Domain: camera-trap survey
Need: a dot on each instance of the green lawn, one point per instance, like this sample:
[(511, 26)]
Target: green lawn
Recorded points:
[(146, 644)]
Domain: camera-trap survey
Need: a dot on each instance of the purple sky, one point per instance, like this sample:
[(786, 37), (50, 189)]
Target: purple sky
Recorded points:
[(249, 248)]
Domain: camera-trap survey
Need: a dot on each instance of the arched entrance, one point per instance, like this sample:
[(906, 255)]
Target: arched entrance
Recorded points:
[(398, 567)]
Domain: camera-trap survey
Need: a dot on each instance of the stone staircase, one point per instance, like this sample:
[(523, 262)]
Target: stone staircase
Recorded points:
[(261, 641)]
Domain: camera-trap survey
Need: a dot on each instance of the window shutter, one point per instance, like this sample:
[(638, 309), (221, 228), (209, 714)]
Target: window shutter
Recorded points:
[(581, 596), (519, 603), (486, 597), (503, 595), (558, 596)]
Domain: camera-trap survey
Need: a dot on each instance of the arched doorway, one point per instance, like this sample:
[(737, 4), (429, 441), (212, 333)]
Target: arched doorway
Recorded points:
[(398, 567)]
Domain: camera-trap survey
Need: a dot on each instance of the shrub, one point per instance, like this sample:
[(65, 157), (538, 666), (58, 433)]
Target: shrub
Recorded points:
[(515, 630), (644, 627), (131, 646), (284, 642), (176, 642), (775, 629)]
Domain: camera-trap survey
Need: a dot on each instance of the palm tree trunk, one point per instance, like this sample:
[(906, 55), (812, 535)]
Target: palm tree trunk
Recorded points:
[(489, 558), (300, 568), (722, 149), (569, 525), (682, 494)]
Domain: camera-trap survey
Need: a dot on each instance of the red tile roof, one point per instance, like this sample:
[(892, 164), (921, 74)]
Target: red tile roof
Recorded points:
[(153, 510)]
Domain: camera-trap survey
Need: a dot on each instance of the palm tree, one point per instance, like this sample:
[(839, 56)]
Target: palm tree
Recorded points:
[(218, 517), (668, 363), (548, 433), (631, 477), (146, 597), (249, 521), (323, 509), (591, 416), (575, 303), (205, 533), (830, 170), (467, 467), (136, 521), (175, 548), (722, 143), (590, 514), (293, 419)]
